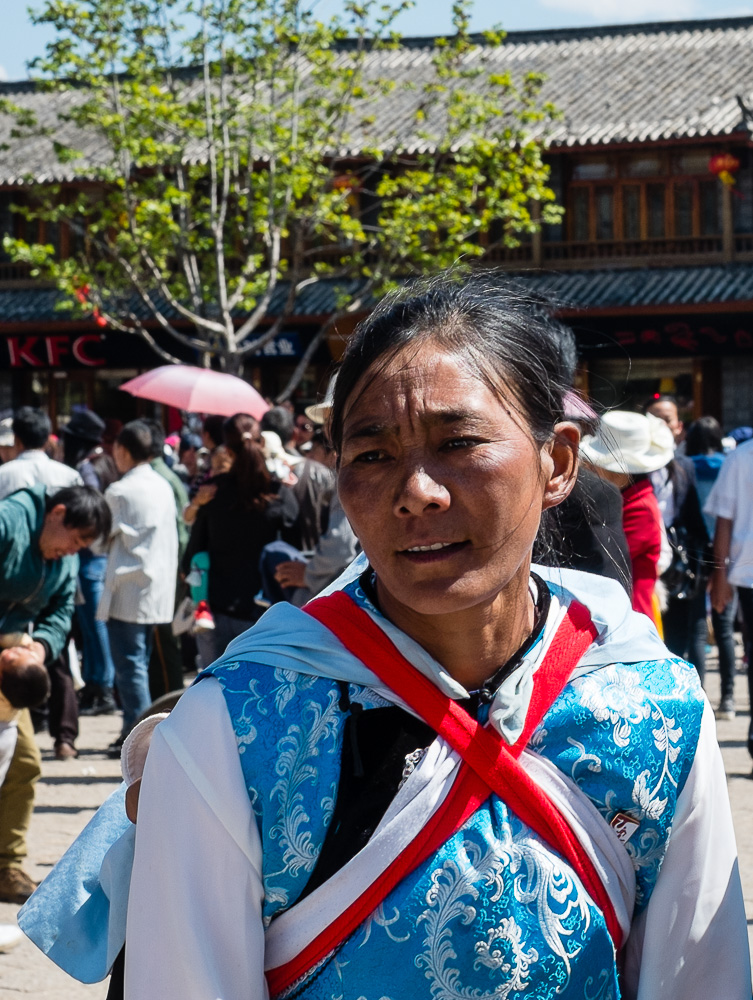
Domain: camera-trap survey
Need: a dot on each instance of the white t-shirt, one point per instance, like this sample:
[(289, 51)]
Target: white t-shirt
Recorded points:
[(731, 497), (32, 467), (142, 559)]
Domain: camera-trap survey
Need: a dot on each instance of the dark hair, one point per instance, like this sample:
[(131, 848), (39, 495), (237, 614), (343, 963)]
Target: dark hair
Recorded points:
[(249, 468), (319, 438), (25, 685), (189, 442), (85, 509), (158, 438), (136, 437), (505, 333), (703, 437), (662, 397), (75, 449), (214, 426), (280, 420), (32, 427)]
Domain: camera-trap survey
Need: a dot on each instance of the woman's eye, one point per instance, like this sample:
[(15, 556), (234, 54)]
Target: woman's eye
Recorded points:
[(375, 455), (460, 442)]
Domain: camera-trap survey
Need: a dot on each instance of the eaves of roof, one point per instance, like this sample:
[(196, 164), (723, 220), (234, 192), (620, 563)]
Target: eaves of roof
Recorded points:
[(681, 288), (723, 285)]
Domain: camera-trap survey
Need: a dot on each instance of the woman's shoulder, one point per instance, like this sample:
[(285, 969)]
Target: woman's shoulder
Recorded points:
[(628, 710), (626, 735), (267, 703)]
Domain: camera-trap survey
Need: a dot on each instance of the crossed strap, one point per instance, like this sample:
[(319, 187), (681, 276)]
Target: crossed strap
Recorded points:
[(488, 765)]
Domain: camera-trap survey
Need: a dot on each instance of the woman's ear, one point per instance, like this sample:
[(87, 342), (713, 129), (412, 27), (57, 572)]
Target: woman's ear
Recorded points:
[(563, 454)]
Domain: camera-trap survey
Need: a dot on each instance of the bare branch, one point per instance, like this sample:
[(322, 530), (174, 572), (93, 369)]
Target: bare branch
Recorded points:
[(162, 287), (139, 330), (146, 298)]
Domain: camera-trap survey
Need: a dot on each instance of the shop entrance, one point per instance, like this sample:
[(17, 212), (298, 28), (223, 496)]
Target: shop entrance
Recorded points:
[(630, 383)]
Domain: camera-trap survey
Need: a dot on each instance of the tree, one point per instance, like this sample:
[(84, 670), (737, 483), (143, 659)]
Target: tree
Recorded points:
[(230, 152)]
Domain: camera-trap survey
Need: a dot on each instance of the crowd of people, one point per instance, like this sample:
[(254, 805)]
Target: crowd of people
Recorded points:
[(240, 500), (457, 771)]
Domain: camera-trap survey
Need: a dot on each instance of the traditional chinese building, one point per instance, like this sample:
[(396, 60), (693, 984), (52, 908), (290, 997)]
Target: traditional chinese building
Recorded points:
[(652, 264)]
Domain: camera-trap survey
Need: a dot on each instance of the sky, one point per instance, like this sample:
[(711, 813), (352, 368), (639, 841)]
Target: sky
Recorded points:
[(21, 41)]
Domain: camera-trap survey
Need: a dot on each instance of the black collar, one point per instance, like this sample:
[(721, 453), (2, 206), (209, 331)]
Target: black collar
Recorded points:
[(488, 689)]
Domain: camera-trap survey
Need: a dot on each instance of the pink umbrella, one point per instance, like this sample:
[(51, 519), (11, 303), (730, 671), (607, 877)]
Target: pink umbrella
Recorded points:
[(198, 390)]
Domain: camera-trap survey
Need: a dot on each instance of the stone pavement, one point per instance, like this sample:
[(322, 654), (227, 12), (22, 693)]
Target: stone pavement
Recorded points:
[(70, 791)]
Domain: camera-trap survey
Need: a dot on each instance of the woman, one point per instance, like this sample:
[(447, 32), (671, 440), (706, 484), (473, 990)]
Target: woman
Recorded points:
[(703, 446), (295, 818), (626, 448), (247, 511)]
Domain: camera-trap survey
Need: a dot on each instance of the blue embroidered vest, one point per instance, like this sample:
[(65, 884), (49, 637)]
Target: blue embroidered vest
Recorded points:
[(495, 912)]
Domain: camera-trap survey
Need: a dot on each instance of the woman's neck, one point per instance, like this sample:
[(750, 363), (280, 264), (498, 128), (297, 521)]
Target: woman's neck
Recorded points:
[(474, 643)]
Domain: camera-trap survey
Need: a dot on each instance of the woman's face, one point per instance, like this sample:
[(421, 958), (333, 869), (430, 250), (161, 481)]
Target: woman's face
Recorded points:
[(443, 483)]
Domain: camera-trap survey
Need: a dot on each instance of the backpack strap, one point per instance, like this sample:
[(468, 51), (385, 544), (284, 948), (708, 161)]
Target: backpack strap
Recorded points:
[(488, 765)]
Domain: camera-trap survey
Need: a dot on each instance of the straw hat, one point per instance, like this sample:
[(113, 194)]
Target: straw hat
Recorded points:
[(629, 442), (319, 412)]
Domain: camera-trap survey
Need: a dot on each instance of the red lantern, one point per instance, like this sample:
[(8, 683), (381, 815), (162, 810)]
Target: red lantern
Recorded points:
[(724, 165)]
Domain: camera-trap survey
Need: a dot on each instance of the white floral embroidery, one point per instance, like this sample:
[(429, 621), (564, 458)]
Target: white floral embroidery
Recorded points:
[(537, 880), (603, 986), (491, 955), (616, 695), (296, 750), (666, 738), (290, 684), (379, 919)]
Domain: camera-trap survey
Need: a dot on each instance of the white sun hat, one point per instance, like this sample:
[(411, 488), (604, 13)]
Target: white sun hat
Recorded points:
[(629, 442)]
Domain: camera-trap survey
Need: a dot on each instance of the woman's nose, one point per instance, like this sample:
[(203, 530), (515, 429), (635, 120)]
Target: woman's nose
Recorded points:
[(420, 492)]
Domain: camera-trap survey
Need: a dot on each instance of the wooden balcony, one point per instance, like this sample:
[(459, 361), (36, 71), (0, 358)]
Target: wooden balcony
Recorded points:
[(15, 274), (667, 251)]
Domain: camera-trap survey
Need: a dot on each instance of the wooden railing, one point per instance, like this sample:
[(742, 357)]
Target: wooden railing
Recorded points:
[(609, 249), (14, 272), (573, 254)]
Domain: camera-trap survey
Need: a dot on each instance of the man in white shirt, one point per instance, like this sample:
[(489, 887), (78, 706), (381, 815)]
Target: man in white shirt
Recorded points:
[(142, 566), (32, 429), (730, 503)]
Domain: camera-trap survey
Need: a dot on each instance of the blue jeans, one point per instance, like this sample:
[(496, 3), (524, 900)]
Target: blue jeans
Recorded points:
[(97, 668), (131, 647), (723, 625)]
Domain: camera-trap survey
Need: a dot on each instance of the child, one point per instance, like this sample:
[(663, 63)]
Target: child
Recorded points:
[(22, 685)]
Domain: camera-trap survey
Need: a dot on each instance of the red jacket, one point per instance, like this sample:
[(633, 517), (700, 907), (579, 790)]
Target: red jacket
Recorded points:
[(641, 519)]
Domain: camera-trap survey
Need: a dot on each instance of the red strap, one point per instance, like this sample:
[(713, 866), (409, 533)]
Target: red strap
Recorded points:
[(487, 764)]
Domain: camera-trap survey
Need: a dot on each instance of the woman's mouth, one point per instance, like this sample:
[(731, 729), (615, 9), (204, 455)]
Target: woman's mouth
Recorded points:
[(433, 551)]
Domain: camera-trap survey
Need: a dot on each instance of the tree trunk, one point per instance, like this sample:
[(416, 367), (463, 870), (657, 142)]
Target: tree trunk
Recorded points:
[(300, 368), (231, 362)]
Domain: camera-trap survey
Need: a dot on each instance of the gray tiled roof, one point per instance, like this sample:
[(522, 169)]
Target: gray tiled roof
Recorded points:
[(631, 83), (682, 287), (645, 287)]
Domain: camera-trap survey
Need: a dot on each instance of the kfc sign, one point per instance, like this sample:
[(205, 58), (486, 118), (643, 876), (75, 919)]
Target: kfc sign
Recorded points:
[(55, 351)]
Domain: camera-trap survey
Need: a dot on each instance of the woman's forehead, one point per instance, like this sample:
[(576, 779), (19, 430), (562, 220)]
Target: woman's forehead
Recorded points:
[(421, 383)]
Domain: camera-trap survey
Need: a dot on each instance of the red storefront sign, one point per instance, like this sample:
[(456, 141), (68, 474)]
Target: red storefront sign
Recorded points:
[(55, 351)]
